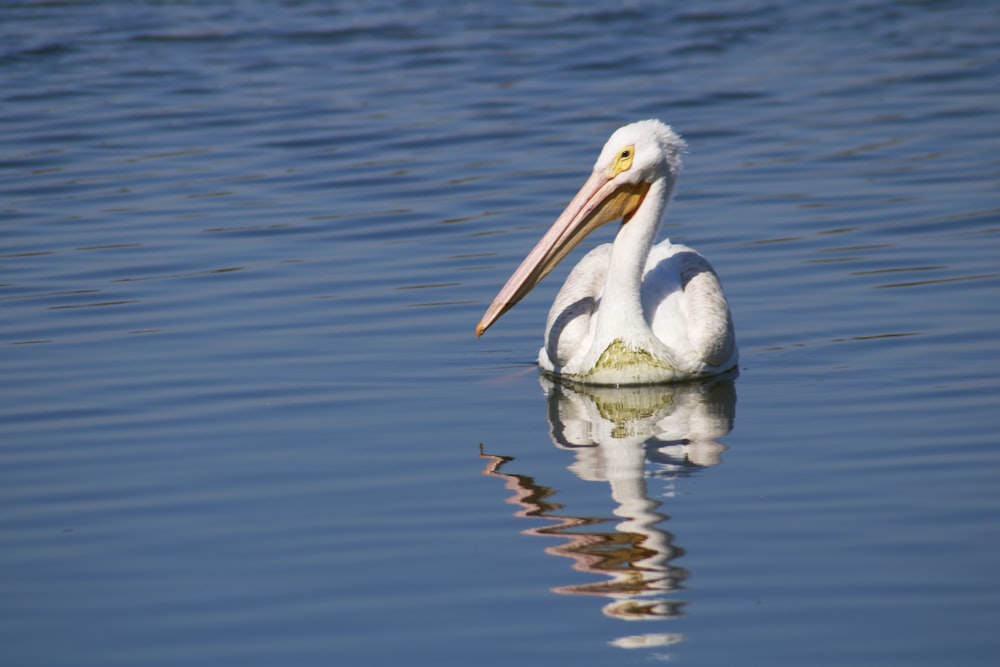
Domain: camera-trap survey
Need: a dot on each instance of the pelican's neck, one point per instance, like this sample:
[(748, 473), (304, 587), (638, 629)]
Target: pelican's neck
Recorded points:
[(621, 313)]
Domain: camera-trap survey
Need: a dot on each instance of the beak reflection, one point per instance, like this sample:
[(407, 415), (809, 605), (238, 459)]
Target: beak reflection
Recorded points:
[(632, 438)]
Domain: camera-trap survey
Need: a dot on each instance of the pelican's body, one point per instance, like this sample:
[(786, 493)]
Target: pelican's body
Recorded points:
[(630, 312)]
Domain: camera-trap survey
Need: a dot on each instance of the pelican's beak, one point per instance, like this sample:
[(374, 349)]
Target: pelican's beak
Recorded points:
[(599, 201)]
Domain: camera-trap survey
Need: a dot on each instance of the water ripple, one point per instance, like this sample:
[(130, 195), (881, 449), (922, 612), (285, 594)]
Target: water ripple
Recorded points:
[(242, 250)]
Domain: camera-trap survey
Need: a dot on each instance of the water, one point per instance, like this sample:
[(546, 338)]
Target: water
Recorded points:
[(244, 247)]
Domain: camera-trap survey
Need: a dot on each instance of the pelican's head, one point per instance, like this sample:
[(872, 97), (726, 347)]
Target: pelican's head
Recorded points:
[(636, 156), (641, 153)]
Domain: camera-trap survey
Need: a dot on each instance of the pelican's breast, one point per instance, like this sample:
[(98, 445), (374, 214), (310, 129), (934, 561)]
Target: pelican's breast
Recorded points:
[(622, 359)]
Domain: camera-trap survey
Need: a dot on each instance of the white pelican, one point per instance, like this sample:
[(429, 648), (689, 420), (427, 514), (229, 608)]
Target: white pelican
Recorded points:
[(630, 312)]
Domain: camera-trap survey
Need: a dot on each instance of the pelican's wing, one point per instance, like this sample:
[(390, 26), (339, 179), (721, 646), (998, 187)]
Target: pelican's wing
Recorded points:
[(568, 326), (686, 306)]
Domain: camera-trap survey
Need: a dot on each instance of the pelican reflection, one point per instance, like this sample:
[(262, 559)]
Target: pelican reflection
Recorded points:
[(626, 436)]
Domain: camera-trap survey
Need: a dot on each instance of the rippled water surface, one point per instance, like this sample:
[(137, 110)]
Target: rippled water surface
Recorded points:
[(245, 420)]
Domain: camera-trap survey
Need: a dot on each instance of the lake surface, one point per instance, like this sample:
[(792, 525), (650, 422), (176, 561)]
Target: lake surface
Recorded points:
[(245, 419)]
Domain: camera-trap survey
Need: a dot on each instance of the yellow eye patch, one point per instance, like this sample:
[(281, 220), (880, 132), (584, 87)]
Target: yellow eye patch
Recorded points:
[(622, 162)]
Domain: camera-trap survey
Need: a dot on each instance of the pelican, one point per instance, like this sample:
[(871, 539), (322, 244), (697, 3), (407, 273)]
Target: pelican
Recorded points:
[(630, 312)]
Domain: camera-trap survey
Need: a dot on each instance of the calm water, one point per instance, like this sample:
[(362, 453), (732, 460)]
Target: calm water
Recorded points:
[(245, 421)]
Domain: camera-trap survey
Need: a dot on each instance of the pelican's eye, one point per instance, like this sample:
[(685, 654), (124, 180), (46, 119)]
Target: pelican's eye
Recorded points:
[(623, 162)]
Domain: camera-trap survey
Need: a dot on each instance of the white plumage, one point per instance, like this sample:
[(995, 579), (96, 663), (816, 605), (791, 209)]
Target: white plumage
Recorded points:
[(630, 312)]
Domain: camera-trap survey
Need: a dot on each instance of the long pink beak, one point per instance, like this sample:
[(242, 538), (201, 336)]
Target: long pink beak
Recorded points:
[(599, 201)]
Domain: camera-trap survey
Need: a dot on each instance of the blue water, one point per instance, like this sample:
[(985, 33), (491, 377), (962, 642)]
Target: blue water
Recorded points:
[(245, 420)]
